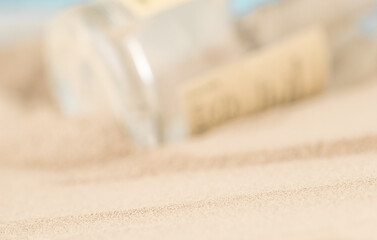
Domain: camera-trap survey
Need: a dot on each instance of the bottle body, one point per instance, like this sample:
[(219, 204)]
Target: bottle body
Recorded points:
[(155, 53)]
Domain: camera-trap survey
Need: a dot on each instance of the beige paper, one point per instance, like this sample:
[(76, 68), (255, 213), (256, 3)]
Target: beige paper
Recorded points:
[(291, 69)]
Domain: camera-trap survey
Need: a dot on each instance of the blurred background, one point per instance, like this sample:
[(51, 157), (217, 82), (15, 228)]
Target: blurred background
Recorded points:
[(26, 17)]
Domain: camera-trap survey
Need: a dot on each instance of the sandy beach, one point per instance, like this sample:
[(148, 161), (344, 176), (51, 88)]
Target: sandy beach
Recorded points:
[(307, 170)]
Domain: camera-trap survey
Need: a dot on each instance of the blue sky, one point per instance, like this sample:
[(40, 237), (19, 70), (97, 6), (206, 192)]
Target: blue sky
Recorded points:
[(33, 5)]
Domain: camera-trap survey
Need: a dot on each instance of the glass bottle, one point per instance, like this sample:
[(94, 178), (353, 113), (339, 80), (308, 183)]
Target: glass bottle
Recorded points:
[(136, 59)]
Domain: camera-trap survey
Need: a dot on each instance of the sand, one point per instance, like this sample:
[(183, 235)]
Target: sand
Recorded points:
[(302, 171)]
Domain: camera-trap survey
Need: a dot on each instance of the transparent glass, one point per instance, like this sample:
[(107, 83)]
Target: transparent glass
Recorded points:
[(106, 59)]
